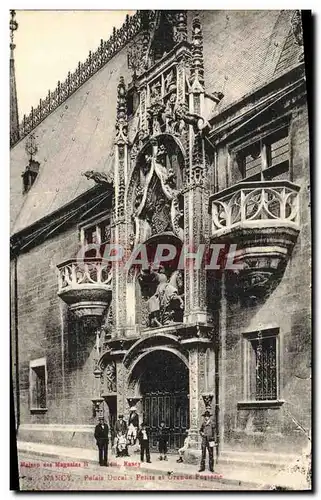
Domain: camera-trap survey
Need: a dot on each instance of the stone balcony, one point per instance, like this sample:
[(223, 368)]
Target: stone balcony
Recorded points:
[(262, 220), (85, 285)]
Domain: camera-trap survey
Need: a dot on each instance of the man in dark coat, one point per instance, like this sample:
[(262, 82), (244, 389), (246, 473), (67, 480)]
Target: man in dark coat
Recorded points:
[(121, 427), (143, 438), (207, 431), (101, 436)]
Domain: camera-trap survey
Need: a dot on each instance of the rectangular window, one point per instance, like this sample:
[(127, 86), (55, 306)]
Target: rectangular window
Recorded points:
[(267, 158), (261, 365), (38, 384), (97, 233)]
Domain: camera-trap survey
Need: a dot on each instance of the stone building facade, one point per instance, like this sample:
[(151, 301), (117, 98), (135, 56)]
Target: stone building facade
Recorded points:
[(183, 129)]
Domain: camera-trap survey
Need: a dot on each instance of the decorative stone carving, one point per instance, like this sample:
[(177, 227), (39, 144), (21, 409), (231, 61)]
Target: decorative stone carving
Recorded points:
[(180, 33), (197, 65), (155, 110), (262, 219), (121, 120), (208, 398), (132, 401), (178, 125), (137, 54), (98, 177), (85, 286), (97, 399), (121, 198), (110, 377), (120, 376), (166, 305), (134, 152), (155, 197)]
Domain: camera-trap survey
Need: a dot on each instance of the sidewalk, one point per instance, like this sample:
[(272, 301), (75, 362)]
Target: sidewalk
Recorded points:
[(226, 474)]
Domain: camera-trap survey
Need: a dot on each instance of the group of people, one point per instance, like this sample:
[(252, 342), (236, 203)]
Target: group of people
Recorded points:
[(126, 435)]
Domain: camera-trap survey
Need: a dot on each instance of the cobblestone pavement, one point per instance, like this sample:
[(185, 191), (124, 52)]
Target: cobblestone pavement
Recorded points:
[(48, 473)]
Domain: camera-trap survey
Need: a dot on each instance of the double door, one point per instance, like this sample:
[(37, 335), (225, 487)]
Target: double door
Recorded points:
[(173, 409)]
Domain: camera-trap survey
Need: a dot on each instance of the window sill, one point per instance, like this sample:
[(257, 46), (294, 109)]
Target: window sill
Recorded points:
[(38, 410), (257, 405)]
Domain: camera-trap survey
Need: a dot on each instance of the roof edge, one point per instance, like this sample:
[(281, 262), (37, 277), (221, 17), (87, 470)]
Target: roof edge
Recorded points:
[(84, 71), (42, 228)]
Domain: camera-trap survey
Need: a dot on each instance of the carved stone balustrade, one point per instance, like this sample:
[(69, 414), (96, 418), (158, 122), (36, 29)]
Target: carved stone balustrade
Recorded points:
[(85, 285), (262, 220)]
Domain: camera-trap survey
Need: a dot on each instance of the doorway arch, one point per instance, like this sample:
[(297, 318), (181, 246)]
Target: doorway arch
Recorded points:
[(162, 379)]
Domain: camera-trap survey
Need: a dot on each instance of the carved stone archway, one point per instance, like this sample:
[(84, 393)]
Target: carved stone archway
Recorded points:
[(160, 378)]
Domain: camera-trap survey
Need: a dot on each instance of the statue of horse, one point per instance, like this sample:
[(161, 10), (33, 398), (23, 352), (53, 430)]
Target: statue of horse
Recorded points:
[(166, 305)]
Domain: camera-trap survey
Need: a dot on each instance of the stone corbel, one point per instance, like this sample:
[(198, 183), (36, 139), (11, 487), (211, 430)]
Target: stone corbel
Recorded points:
[(133, 401), (97, 399), (208, 398)]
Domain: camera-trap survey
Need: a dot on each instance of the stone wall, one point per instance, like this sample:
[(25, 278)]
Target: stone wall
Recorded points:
[(44, 330), (288, 308)]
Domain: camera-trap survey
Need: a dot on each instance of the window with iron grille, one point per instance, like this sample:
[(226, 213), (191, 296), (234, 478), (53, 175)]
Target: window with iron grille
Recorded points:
[(38, 384), (261, 365), (267, 158)]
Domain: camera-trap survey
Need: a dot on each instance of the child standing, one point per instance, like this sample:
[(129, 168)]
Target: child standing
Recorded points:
[(182, 450), (121, 445), (143, 438), (162, 441)]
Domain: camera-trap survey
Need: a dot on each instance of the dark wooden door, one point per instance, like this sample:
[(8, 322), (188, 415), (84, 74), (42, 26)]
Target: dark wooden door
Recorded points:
[(173, 409), (164, 387)]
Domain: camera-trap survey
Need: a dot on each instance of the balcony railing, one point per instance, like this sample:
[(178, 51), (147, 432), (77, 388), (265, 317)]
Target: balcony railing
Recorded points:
[(251, 204), (85, 286), (76, 273)]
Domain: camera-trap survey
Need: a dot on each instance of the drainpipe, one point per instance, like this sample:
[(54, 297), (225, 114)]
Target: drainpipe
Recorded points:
[(14, 338), (221, 358)]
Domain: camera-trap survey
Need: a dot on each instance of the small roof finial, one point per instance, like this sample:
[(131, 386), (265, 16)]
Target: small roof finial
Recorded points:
[(31, 147), (14, 118), (13, 25)]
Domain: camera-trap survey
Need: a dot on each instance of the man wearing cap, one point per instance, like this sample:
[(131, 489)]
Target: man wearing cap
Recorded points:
[(207, 431), (101, 436)]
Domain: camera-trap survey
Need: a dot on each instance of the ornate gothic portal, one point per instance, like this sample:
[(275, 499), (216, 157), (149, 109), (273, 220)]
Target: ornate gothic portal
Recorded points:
[(163, 383), (160, 329)]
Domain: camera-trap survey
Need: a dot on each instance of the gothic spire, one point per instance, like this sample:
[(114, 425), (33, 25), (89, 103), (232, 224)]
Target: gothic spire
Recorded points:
[(197, 65), (14, 119)]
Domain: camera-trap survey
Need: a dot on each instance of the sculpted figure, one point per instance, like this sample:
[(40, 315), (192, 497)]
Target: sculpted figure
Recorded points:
[(166, 305)]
